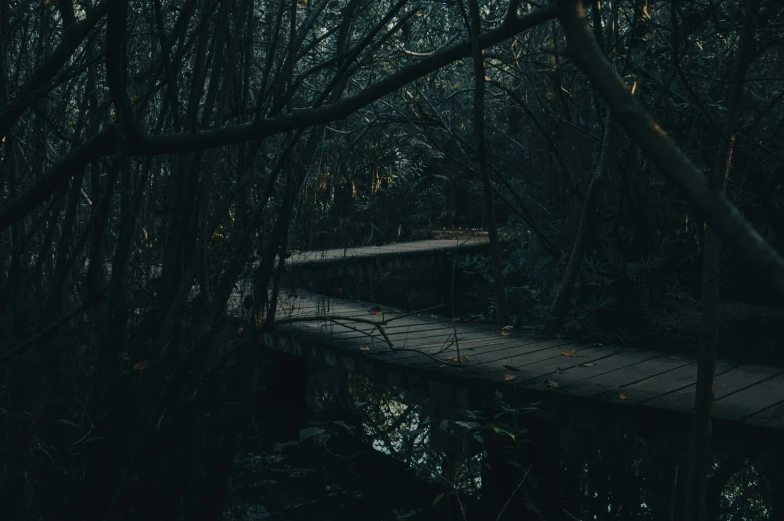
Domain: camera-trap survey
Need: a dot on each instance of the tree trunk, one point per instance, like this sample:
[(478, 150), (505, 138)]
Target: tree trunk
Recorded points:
[(561, 302), (481, 158), (699, 446)]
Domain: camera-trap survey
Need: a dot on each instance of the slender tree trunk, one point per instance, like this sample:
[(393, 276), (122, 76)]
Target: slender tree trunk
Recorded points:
[(699, 446), (481, 158), (561, 302)]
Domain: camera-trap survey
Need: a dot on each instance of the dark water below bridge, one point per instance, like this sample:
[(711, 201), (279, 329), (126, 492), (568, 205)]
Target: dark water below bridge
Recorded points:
[(336, 446)]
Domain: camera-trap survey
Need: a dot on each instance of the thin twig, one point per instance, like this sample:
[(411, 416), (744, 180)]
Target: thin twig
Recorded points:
[(336, 319), (446, 362), (503, 509), (454, 326)]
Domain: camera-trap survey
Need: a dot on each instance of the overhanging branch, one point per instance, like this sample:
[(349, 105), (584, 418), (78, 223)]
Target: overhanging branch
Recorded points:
[(106, 143), (715, 207)]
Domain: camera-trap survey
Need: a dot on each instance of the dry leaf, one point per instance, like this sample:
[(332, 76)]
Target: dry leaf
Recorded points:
[(455, 320), (624, 397), (396, 311), (461, 358), (364, 348), (571, 352), (141, 366), (375, 310), (589, 364), (506, 330), (510, 375), (550, 384)]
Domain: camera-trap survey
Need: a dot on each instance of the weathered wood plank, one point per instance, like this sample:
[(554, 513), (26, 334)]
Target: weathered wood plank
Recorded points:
[(426, 247), (727, 382), (502, 350), (601, 364), (656, 386), (536, 367), (612, 381), (748, 401), (772, 417)]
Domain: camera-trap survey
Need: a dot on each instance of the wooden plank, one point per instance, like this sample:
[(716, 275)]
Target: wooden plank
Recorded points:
[(600, 384), (747, 402), (545, 349), (401, 336), (656, 386), (425, 247), (601, 365), (475, 347), (727, 383), (536, 367), (772, 417), (516, 352)]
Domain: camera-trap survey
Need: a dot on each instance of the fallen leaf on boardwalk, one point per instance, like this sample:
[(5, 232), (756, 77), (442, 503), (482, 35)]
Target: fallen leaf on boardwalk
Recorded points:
[(375, 310), (557, 370), (438, 498), (364, 348), (571, 352), (550, 384), (624, 397), (506, 330), (510, 375), (461, 358), (455, 320), (589, 364), (396, 311), (141, 366)]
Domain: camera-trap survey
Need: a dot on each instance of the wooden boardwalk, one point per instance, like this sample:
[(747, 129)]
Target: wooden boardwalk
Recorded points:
[(749, 394), (423, 343), (393, 250)]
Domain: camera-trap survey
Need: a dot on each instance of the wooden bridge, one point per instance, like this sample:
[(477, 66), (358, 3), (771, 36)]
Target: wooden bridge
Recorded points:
[(466, 363)]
